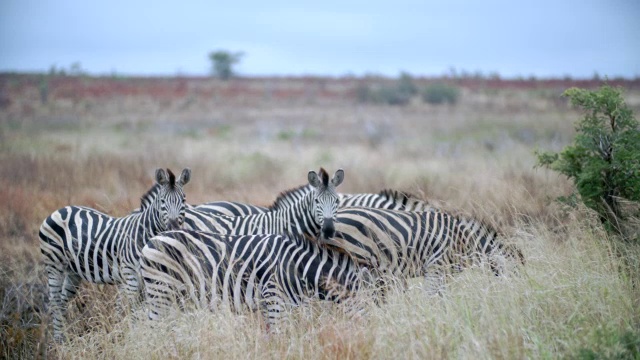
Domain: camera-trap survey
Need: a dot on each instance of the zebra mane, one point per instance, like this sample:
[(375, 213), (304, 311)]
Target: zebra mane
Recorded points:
[(147, 199), (324, 176), (172, 178), (289, 196), (413, 202), (398, 195)]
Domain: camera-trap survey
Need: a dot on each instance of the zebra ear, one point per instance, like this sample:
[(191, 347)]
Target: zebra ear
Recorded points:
[(337, 178), (162, 177), (314, 180), (184, 177)]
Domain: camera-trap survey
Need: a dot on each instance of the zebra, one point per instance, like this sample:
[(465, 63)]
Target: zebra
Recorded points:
[(79, 243), (265, 271), (312, 215), (411, 244)]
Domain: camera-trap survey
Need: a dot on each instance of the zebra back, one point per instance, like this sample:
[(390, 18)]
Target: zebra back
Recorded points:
[(386, 199), (409, 243), (262, 271), (230, 208)]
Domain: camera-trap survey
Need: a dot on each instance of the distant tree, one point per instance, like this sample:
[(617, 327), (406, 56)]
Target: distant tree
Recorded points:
[(76, 69), (223, 62)]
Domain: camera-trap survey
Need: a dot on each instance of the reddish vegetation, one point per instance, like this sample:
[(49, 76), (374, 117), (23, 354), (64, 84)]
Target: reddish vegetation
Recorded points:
[(248, 89)]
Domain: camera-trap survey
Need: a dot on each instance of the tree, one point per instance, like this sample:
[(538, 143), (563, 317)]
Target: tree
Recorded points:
[(223, 62), (604, 160)]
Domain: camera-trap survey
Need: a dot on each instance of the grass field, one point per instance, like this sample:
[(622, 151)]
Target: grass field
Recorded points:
[(574, 298)]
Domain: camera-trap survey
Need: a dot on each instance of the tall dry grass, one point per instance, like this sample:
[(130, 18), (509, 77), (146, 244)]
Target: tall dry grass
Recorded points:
[(575, 297), (570, 298)]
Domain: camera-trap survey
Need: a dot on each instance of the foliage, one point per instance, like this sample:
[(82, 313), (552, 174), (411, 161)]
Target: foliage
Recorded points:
[(406, 85), (223, 62), (399, 93), (604, 159), (439, 93), (611, 344)]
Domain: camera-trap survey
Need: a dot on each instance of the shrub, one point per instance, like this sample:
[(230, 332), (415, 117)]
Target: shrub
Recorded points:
[(406, 85), (438, 93), (390, 95), (399, 93), (604, 159)]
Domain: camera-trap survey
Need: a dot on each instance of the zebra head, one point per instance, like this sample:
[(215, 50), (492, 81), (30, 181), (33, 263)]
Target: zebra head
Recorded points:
[(325, 200), (171, 198)]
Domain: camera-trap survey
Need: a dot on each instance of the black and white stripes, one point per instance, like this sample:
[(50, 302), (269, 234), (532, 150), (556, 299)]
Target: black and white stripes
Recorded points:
[(266, 272), (80, 243), (409, 244), (194, 255)]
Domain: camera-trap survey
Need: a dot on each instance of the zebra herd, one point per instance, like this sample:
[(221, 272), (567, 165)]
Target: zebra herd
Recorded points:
[(312, 242)]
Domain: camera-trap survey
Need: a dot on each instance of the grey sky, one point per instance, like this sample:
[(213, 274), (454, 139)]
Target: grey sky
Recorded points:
[(542, 38)]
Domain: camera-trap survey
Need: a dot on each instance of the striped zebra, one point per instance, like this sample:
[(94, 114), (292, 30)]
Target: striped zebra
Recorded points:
[(266, 272), (313, 215), (80, 243), (412, 244)]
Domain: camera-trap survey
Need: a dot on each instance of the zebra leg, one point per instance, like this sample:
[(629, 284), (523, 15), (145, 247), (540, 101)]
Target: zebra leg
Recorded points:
[(57, 307), (70, 287), (129, 295), (158, 303), (159, 299), (271, 306)]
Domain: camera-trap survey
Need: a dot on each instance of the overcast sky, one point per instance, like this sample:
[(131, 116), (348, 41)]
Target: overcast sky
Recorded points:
[(513, 38)]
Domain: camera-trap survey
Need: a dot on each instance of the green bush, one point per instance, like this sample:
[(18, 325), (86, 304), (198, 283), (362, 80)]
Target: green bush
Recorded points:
[(439, 93), (604, 160), (406, 85), (390, 95), (399, 93)]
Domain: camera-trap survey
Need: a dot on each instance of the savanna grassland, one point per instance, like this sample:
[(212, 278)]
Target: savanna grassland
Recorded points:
[(96, 142)]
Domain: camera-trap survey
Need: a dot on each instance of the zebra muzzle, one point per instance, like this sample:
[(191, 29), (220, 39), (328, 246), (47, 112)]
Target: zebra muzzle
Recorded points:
[(173, 224), (328, 229)]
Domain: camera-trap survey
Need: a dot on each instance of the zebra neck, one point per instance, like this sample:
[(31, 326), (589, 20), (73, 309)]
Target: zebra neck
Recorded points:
[(150, 223), (299, 218)]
